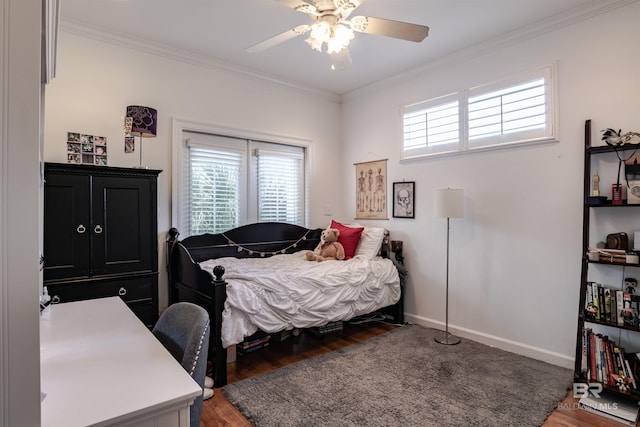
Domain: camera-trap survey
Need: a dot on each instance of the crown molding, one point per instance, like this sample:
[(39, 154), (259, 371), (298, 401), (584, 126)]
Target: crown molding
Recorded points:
[(576, 15), (184, 56)]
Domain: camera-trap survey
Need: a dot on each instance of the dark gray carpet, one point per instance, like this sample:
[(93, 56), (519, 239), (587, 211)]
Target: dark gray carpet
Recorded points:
[(404, 378)]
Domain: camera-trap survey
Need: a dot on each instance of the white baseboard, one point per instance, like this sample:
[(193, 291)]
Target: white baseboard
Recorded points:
[(501, 343)]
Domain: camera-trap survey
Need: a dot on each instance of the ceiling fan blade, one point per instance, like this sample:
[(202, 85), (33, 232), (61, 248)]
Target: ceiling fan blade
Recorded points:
[(389, 28), (345, 7), (277, 39), (299, 5)]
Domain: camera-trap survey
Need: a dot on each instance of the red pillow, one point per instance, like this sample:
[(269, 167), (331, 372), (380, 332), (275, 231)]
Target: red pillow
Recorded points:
[(349, 238)]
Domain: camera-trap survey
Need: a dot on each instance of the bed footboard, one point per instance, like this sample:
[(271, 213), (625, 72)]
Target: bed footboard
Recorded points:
[(189, 283)]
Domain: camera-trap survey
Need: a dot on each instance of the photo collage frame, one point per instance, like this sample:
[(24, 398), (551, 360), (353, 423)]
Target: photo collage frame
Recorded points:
[(86, 149)]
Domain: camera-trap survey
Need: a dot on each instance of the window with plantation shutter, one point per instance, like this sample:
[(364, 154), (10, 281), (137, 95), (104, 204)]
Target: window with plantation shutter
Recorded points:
[(280, 189), (432, 127), (514, 111), (226, 182), (214, 189)]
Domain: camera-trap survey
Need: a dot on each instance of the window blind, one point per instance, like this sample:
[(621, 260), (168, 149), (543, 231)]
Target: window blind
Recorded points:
[(514, 110), (214, 189), (280, 186), (225, 182), (432, 129)]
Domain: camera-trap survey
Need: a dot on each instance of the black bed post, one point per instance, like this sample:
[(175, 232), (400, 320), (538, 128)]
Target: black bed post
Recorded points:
[(398, 310), (172, 238), (220, 296)]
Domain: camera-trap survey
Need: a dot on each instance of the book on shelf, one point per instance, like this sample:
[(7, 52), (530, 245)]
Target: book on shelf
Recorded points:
[(616, 256), (607, 304), (591, 356), (596, 300), (584, 365), (613, 407), (600, 298), (605, 362), (619, 307), (628, 314), (634, 306)]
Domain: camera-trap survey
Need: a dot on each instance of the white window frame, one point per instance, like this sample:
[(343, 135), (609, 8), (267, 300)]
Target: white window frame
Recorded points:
[(180, 126), (464, 144)]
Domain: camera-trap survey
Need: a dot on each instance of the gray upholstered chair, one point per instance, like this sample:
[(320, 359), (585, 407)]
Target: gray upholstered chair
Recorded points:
[(183, 328)]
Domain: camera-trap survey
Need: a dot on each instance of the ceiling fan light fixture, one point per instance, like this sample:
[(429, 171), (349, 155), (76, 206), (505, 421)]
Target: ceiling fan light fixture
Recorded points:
[(336, 36), (340, 60), (316, 44), (340, 38), (320, 33)]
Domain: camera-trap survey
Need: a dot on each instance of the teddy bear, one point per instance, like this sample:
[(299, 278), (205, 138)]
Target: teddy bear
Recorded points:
[(330, 248)]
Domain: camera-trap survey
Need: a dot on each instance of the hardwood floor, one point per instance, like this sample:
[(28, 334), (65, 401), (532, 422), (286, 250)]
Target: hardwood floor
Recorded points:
[(218, 412)]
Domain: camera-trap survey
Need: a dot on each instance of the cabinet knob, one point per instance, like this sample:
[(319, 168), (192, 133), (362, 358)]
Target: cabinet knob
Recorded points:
[(98, 229), (122, 292), (81, 229), (55, 299)]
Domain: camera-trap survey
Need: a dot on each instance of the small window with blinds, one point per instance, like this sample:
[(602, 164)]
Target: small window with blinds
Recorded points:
[(515, 111), (432, 127)]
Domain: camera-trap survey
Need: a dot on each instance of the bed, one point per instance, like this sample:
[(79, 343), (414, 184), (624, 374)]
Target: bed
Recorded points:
[(256, 278)]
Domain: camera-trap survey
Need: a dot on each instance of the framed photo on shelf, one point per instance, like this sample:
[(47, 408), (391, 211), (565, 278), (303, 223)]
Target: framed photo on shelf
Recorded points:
[(404, 199)]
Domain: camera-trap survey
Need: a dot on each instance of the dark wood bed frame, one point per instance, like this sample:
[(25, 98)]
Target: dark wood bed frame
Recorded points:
[(188, 282)]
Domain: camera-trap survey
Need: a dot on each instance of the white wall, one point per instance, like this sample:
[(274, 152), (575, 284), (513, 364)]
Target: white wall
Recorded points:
[(20, 195), (515, 257), (96, 81)]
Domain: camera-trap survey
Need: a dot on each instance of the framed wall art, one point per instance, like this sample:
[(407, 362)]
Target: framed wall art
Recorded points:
[(371, 190), (404, 194), (86, 149)]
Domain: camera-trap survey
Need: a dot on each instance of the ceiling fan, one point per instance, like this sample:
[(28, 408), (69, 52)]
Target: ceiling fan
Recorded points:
[(331, 28)]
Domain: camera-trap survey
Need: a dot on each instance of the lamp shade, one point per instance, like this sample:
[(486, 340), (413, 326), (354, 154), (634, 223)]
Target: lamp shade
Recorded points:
[(145, 120), (449, 203)]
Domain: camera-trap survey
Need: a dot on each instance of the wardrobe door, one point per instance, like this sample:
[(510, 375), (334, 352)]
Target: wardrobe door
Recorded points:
[(67, 234), (124, 218)]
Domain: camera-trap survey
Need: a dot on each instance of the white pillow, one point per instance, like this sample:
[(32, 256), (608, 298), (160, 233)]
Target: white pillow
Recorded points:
[(370, 242)]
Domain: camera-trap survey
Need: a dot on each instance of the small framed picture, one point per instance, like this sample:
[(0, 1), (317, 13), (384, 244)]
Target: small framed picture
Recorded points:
[(404, 199), (129, 144)]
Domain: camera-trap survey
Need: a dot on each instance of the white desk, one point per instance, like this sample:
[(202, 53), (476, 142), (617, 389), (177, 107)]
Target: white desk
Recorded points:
[(101, 366)]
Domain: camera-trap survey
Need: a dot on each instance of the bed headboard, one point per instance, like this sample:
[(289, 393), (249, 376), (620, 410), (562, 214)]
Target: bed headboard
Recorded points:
[(260, 239)]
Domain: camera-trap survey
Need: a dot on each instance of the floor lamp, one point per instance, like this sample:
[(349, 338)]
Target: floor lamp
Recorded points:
[(449, 204)]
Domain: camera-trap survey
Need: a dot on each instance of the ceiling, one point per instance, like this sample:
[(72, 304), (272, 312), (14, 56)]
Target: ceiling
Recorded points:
[(218, 32)]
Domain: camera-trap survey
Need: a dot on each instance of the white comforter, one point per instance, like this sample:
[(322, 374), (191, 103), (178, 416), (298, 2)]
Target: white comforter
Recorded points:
[(283, 292)]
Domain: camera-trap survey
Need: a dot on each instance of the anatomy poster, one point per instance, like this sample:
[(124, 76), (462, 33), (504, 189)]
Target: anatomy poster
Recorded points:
[(371, 190)]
